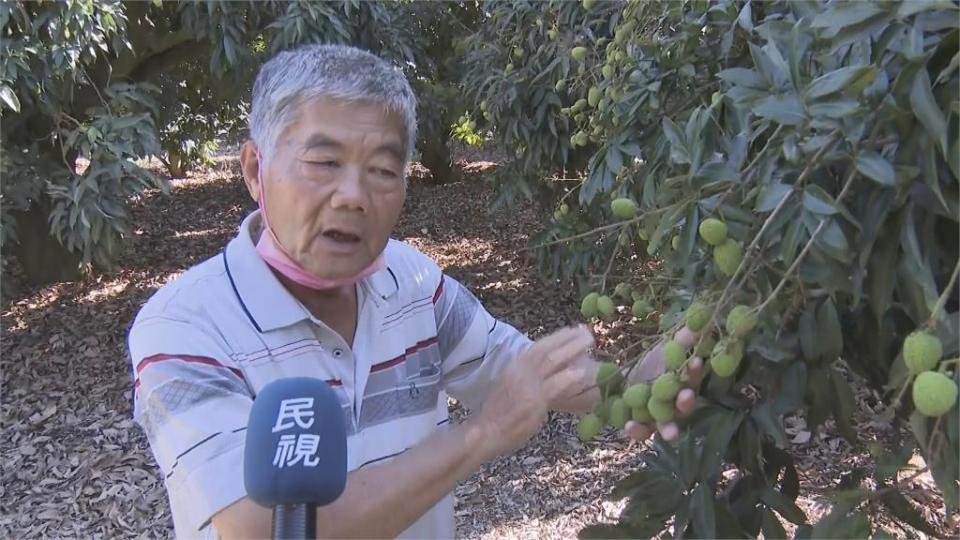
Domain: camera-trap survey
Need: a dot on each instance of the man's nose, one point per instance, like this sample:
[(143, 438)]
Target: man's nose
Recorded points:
[(350, 193)]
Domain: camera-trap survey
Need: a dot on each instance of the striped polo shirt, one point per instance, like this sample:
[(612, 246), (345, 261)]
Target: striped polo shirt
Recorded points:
[(204, 344)]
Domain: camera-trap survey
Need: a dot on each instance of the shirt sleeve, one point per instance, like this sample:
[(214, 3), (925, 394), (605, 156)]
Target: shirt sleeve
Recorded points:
[(193, 406), (474, 346)]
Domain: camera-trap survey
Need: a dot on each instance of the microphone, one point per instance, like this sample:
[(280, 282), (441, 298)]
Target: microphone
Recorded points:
[(295, 453)]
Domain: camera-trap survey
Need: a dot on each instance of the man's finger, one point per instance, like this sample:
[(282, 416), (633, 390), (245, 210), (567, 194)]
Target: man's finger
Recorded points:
[(669, 431), (686, 401), (695, 371), (564, 382), (637, 431), (560, 357), (560, 337)]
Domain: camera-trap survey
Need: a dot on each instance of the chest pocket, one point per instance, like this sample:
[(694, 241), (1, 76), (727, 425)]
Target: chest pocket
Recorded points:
[(406, 386)]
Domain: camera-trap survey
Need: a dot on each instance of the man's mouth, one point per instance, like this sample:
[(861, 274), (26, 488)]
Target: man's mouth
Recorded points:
[(341, 236)]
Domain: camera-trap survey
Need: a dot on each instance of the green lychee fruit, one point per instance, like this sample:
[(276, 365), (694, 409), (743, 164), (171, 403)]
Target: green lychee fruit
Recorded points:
[(698, 314), (673, 354), (705, 347), (561, 85), (637, 395), (641, 308), (564, 209), (588, 4), (580, 105), (642, 415), (589, 427), (666, 387), (605, 306), (578, 53), (557, 215), (552, 34), (675, 242), (609, 376), (741, 321), (922, 351), (509, 69), (661, 411), (623, 208), (608, 71), (713, 231), (728, 256), (724, 364), (601, 409), (623, 290), (619, 413), (643, 234), (934, 393), (588, 307), (518, 52), (593, 96)]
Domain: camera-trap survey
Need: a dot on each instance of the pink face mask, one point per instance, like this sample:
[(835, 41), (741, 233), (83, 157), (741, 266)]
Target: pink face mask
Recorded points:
[(270, 250)]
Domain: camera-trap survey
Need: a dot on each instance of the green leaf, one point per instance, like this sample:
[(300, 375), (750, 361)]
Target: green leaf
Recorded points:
[(704, 518), (828, 330), (912, 7), (9, 98), (678, 148), (767, 421), (843, 406), (818, 201), (715, 445), (927, 111), (841, 79), (841, 526), (841, 15), (874, 167), (810, 346), (786, 109), (791, 241), (771, 196), (784, 506)]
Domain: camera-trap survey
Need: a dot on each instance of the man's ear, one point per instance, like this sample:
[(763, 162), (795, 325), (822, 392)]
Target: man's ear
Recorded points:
[(250, 166)]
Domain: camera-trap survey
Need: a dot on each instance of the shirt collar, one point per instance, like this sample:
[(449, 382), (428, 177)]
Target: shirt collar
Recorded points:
[(264, 298)]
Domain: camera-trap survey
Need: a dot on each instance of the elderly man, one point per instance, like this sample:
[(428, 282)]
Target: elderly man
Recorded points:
[(313, 286)]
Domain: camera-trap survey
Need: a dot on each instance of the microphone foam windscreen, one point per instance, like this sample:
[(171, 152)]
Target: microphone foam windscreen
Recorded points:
[(296, 444)]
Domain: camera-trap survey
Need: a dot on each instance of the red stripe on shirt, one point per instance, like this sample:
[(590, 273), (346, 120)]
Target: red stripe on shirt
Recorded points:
[(397, 360), (439, 291), (183, 358)]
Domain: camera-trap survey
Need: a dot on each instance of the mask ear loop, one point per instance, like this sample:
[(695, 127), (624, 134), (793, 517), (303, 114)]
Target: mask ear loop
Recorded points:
[(262, 203)]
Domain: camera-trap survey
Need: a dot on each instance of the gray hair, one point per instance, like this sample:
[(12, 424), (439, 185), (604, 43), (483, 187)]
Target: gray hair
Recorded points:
[(295, 76)]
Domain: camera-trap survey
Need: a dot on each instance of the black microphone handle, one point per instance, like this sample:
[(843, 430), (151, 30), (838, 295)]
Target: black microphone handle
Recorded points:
[(295, 522)]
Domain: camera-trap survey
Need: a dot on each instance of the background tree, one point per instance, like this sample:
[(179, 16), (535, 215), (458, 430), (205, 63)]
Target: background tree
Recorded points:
[(793, 167)]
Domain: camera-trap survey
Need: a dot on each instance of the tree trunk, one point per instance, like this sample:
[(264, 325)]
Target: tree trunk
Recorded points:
[(43, 259)]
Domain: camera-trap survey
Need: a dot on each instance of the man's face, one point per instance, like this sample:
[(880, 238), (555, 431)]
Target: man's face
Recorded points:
[(334, 188)]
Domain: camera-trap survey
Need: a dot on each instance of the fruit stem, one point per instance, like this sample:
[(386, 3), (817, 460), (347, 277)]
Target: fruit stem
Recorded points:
[(613, 257), (942, 301), (593, 231), (899, 398), (793, 267)]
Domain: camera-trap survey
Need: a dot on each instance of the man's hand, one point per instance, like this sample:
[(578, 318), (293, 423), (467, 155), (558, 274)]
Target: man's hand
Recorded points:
[(523, 392), (650, 368)]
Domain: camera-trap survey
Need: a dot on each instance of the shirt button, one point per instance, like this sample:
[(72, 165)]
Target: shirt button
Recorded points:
[(338, 352)]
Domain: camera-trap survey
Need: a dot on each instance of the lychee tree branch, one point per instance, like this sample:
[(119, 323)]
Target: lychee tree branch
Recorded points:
[(942, 301)]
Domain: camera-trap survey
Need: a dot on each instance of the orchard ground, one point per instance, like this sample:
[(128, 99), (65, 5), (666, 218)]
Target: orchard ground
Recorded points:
[(75, 465)]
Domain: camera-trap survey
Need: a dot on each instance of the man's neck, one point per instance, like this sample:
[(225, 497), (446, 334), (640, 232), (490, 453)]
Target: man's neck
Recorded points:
[(319, 302)]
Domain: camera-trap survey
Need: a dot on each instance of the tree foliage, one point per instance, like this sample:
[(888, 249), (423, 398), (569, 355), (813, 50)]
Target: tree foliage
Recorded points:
[(825, 137), (110, 83)]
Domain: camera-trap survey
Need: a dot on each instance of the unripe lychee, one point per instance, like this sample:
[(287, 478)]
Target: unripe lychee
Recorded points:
[(605, 306), (578, 53), (642, 415), (724, 364), (741, 321), (922, 351), (509, 68), (623, 290), (588, 307), (666, 386), (661, 411), (588, 4), (609, 376), (564, 209), (518, 52), (623, 208), (607, 71), (589, 427), (673, 355), (641, 308), (601, 408), (705, 347), (637, 395), (698, 314), (934, 393), (713, 231), (593, 96), (675, 242), (619, 413), (728, 256), (580, 105), (552, 34), (561, 85)]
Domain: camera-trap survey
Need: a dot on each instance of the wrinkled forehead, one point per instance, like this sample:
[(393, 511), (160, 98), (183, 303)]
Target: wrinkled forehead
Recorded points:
[(330, 123)]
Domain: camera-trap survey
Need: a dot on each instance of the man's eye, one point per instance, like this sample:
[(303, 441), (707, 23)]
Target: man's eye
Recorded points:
[(324, 163), (386, 172)]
